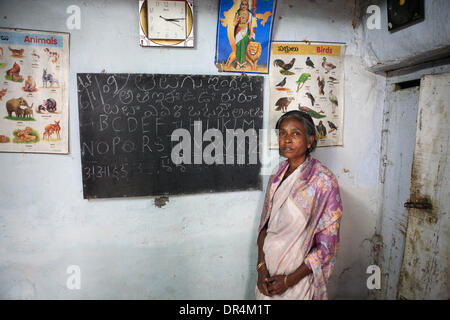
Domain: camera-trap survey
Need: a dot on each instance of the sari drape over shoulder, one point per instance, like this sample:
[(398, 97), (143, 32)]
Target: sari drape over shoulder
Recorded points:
[(315, 194)]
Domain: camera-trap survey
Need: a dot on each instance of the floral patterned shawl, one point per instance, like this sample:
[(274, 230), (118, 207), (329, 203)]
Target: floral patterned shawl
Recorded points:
[(317, 193)]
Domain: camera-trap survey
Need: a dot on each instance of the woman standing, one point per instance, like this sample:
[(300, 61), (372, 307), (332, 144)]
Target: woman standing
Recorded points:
[(299, 229), (243, 32)]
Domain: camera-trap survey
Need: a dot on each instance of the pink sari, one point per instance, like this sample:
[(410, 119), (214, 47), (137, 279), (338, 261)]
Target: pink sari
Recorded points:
[(303, 216)]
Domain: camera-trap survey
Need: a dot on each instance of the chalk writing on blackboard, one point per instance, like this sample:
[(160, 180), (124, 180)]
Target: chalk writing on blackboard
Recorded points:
[(153, 134)]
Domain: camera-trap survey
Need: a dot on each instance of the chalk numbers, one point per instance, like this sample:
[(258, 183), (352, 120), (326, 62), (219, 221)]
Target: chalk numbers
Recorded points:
[(116, 172)]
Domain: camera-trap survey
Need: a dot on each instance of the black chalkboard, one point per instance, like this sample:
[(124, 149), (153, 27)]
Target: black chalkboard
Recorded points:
[(128, 123)]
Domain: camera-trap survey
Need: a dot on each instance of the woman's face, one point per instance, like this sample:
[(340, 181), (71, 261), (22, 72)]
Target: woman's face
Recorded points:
[(293, 139), (244, 5)]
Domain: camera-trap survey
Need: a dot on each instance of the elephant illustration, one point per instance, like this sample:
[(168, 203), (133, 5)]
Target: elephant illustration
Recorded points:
[(14, 105), (28, 112)]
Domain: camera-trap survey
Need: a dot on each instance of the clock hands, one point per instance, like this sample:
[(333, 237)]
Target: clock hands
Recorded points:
[(173, 20)]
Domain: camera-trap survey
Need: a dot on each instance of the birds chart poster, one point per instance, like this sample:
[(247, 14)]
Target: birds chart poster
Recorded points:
[(244, 32), (308, 77), (34, 101)]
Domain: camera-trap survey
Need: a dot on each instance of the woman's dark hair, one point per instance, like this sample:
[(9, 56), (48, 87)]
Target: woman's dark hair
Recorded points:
[(307, 122)]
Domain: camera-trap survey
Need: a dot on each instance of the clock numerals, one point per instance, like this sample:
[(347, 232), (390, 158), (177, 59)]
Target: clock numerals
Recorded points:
[(162, 4), (166, 20)]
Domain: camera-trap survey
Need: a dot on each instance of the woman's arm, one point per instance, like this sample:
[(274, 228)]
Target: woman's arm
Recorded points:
[(295, 277), (237, 19), (250, 24), (263, 273), (261, 237), (279, 284)]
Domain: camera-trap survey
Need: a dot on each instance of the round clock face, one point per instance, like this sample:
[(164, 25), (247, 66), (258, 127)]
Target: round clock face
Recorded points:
[(167, 20)]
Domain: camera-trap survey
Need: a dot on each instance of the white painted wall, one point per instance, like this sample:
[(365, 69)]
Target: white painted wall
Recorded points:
[(198, 246), (421, 42)]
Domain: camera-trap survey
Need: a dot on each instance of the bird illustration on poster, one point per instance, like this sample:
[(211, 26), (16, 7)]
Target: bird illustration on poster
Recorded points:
[(305, 76)]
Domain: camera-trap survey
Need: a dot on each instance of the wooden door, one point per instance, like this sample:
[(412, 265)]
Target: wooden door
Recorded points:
[(399, 138), (424, 271)]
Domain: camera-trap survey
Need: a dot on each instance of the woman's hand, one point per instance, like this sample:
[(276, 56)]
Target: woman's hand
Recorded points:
[(276, 285), (263, 275), (237, 19)]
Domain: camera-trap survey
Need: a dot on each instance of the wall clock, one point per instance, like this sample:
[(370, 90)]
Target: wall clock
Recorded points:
[(403, 13), (166, 23)]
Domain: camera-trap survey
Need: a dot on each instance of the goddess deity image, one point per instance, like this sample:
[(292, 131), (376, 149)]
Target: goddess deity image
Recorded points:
[(243, 32), (240, 21)]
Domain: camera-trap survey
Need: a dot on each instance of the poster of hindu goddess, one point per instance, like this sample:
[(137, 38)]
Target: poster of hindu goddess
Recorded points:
[(244, 32)]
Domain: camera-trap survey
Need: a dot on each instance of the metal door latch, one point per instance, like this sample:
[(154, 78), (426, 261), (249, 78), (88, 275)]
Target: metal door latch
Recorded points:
[(418, 205)]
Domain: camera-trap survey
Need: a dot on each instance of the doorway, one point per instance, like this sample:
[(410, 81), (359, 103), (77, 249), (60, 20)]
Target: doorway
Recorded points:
[(410, 95)]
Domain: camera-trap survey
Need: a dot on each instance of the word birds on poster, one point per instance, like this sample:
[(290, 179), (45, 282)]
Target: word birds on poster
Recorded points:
[(310, 78)]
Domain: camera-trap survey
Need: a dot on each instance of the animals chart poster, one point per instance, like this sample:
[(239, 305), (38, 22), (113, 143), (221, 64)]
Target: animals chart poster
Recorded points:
[(244, 32), (308, 77), (34, 102)]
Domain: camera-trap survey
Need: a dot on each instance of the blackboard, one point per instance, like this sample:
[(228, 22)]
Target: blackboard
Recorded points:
[(128, 123)]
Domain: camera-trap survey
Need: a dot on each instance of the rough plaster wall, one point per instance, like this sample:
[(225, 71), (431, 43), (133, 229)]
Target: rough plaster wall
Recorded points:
[(418, 43), (195, 247)]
